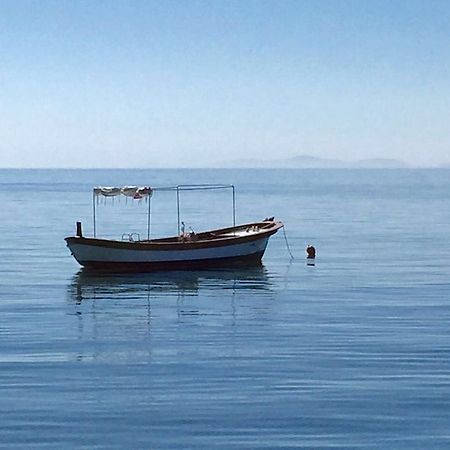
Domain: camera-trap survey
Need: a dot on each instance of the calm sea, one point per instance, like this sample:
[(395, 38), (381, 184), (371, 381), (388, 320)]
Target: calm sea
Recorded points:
[(353, 352)]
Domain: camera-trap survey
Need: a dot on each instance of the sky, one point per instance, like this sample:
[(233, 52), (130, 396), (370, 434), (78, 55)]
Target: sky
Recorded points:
[(187, 83)]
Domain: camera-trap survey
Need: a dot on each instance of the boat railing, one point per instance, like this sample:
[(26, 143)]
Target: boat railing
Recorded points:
[(131, 237)]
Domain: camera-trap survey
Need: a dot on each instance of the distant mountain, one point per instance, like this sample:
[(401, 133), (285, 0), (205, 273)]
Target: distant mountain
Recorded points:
[(313, 162), (380, 163)]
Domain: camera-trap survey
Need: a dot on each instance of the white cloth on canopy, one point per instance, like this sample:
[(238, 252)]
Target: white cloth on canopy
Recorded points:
[(107, 191), (129, 191)]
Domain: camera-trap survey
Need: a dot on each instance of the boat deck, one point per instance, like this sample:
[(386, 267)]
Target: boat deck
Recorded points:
[(224, 233)]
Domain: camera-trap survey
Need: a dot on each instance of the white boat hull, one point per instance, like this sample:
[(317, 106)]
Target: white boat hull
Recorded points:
[(242, 248)]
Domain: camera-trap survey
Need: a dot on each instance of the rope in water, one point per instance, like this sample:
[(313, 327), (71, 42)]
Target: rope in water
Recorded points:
[(287, 243)]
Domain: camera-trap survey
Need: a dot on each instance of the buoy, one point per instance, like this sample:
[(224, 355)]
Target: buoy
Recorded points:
[(310, 252)]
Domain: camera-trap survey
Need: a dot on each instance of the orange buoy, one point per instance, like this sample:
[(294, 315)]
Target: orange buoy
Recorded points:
[(310, 252)]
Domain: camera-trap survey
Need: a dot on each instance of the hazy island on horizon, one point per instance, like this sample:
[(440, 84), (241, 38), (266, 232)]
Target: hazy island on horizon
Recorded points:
[(303, 161), (313, 162)]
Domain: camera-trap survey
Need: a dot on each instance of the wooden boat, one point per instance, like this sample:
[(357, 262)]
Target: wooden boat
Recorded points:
[(237, 245)]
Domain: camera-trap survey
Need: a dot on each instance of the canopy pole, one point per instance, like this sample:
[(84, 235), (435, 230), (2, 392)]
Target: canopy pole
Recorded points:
[(178, 209), (93, 212), (148, 217), (234, 206)]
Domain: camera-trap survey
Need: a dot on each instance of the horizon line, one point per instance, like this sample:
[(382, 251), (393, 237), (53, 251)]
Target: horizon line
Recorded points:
[(409, 167)]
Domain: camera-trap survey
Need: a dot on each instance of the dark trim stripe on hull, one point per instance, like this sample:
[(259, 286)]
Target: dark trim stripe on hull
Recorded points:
[(162, 245), (247, 260)]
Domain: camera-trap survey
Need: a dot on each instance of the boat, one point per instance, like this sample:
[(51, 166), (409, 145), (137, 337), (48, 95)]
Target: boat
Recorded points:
[(243, 244)]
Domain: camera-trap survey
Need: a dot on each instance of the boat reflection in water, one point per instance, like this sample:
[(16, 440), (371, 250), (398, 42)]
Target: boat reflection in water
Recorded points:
[(91, 285), (134, 317)]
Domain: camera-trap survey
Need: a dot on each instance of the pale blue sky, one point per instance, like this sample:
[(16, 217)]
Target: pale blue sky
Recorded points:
[(154, 83)]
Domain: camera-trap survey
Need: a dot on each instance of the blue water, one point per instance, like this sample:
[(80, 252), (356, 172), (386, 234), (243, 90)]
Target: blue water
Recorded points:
[(353, 352)]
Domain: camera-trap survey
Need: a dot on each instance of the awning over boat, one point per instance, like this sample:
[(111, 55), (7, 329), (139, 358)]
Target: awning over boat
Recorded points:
[(128, 191)]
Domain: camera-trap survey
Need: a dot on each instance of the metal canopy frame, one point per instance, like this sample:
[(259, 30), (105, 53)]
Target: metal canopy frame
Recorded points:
[(178, 188)]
